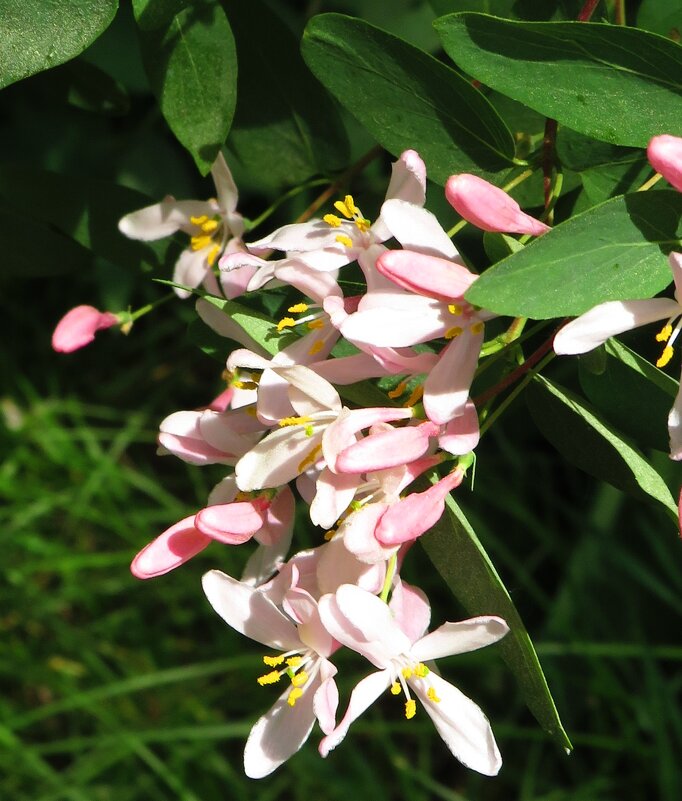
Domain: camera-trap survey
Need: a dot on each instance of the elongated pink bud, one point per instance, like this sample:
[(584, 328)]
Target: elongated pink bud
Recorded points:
[(426, 275), (78, 327), (488, 207), (388, 449), (169, 550), (232, 523), (414, 515), (665, 156)]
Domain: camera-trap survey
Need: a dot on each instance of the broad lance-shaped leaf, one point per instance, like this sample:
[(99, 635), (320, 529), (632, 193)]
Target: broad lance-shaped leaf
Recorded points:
[(614, 251), (286, 127), (461, 559), (611, 82), (36, 35), (190, 58), (587, 441), (630, 392), (406, 98)]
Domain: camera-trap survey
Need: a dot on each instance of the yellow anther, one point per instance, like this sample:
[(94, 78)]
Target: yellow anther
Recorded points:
[(431, 695), (273, 661), (251, 411), (363, 224), (294, 695), (315, 325), (350, 204), (395, 688), (268, 678), (209, 226), (300, 679), (455, 308), (407, 672), (329, 535), (298, 308), (309, 431), (344, 240), (421, 670), (310, 458), (476, 328), (286, 322), (665, 357), (332, 219), (410, 708), (294, 421), (244, 384), (213, 255), (198, 220), (200, 242), (453, 332), (316, 347), (664, 334), (398, 391), (294, 661), (416, 395)]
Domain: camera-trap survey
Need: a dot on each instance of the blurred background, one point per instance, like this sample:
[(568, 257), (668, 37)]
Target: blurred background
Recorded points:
[(117, 689)]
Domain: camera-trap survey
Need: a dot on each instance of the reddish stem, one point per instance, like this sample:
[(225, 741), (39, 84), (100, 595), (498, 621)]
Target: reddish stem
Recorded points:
[(587, 10), (548, 158)]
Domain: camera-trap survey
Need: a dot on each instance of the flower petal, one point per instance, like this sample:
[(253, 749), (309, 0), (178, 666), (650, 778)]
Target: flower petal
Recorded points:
[(446, 389), (417, 229), (78, 327), (411, 609), (169, 550), (675, 427), (665, 156), (164, 218), (428, 275), (230, 523), (460, 638)]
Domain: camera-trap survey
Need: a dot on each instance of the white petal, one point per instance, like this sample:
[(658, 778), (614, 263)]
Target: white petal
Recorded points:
[(370, 615), (417, 229), (460, 637), (190, 270), (225, 326), (164, 218), (312, 235), (675, 261), (395, 327), (249, 612), (462, 725), (277, 459), (675, 427), (608, 319), (227, 194), (446, 389), (314, 393)]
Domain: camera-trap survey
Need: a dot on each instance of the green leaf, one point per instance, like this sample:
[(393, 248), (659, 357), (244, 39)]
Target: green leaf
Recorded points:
[(631, 393), (36, 35), (462, 561), (286, 127), (661, 16), (406, 98), (611, 82), (588, 442), (512, 9), (257, 325), (614, 251), (190, 58)]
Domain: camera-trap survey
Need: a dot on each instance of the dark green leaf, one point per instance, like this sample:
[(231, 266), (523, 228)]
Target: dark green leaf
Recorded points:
[(286, 127), (618, 84), (257, 325), (661, 16), (462, 561), (614, 251), (91, 89), (591, 444), (190, 58), (512, 9), (631, 393), (36, 35), (407, 99)]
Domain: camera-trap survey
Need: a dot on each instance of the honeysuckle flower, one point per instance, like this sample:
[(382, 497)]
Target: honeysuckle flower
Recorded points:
[(306, 644), (488, 207), (595, 326), (78, 327), (665, 156), (363, 622), (212, 225)]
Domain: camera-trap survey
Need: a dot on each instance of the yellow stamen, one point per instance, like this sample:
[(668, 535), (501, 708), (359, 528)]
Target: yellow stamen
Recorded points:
[(344, 240), (294, 661), (415, 397), (316, 347), (664, 334), (421, 670), (453, 332), (410, 708), (398, 391), (363, 224), (431, 695), (308, 431), (268, 678), (350, 204), (665, 357), (286, 322), (273, 661), (213, 255), (200, 242), (407, 672), (310, 458), (294, 421), (455, 308), (315, 325), (299, 308), (476, 328), (332, 219), (209, 226), (198, 220), (244, 384), (251, 411), (294, 695), (395, 688), (300, 679)]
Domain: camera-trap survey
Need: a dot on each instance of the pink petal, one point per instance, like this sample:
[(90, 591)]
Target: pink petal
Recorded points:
[(190, 270), (78, 327), (460, 638), (333, 496), (382, 451), (675, 261), (446, 389), (169, 550), (326, 698), (279, 519), (462, 433), (428, 275), (358, 534), (665, 156), (231, 523), (337, 566), (372, 617), (488, 207), (411, 609)]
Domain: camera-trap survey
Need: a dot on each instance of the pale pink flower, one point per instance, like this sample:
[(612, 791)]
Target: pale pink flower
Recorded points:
[(595, 326), (488, 207), (78, 327), (306, 644), (364, 623), (665, 156)]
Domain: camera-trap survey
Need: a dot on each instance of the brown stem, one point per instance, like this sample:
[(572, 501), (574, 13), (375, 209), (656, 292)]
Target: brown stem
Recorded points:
[(587, 10), (332, 190), (548, 158), (521, 370)]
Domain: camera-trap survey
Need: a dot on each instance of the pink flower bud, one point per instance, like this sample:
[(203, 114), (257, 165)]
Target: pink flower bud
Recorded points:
[(78, 327), (488, 207), (665, 156)]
